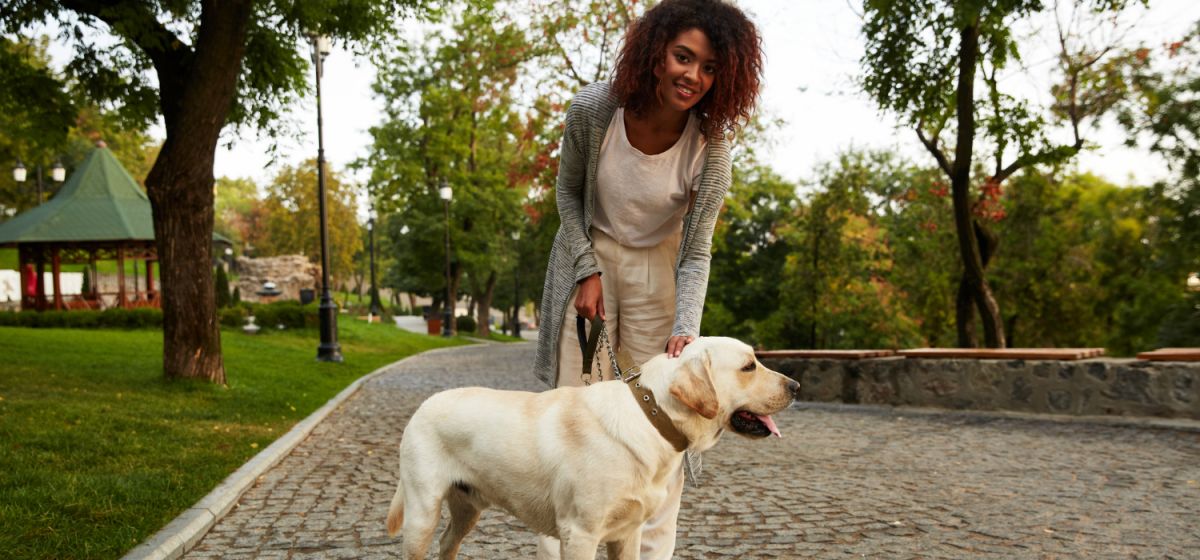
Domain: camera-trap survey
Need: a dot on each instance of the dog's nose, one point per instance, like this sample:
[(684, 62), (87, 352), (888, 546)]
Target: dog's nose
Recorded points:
[(794, 388)]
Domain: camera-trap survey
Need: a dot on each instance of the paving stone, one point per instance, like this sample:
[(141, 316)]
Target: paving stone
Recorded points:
[(842, 483)]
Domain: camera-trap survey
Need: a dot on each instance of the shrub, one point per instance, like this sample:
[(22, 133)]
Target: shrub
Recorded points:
[(222, 288), (234, 316), (290, 314), (464, 324), (141, 318)]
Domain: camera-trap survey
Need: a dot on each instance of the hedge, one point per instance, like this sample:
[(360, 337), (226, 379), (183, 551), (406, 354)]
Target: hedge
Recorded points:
[(140, 318), (290, 314)]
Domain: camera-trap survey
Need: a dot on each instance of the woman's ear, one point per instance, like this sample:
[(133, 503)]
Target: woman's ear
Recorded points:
[(693, 386)]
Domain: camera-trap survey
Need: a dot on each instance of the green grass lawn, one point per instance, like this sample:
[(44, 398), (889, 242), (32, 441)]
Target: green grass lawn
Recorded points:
[(98, 451)]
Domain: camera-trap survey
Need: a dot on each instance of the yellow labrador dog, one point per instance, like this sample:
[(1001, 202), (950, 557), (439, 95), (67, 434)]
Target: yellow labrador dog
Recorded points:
[(584, 464)]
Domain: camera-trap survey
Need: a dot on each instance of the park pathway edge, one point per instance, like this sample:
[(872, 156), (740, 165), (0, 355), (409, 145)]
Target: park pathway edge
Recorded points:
[(183, 532)]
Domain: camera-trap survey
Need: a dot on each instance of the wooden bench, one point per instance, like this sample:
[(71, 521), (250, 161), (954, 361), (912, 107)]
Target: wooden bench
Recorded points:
[(824, 354), (1172, 355), (1004, 353)]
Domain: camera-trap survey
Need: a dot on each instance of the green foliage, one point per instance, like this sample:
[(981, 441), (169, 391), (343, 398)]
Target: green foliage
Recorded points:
[(290, 215), (222, 288), (465, 324), (453, 117), (836, 282), (100, 452), (29, 131), (237, 210), (140, 318)]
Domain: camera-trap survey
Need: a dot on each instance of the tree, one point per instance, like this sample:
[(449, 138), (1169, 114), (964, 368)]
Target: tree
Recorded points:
[(223, 297), (43, 123), (199, 66), (452, 117), (749, 254), (237, 210), (924, 60), (836, 281), (290, 223), (1164, 114)]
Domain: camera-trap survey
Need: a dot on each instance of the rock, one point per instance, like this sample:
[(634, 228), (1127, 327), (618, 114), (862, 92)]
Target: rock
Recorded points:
[(290, 273)]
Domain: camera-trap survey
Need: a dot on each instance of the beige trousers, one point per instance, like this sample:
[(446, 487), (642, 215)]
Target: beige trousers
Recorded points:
[(639, 309)]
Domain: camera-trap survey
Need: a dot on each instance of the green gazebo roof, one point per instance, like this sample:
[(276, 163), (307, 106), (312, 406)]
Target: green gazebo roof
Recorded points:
[(99, 202)]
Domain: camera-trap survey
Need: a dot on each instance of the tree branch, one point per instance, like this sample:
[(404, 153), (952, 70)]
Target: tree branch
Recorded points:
[(137, 22), (567, 59), (933, 148)]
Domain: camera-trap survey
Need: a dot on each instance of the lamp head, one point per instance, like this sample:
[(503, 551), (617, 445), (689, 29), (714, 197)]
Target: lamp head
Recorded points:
[(445, 192), (58, 172), (19, 171)]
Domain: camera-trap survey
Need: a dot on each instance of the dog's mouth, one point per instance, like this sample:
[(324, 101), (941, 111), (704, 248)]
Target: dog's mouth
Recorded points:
[(751, 424)]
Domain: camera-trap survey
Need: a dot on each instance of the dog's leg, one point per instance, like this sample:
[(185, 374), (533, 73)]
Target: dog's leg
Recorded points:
[(421, 515), (579, 545), (627, 549), (463, 515)]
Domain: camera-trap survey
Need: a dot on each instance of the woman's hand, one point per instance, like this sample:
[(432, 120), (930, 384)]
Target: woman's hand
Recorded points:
[(589, 302), (675, 345)]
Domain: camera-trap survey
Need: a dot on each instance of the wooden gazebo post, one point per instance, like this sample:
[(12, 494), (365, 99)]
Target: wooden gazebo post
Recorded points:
[(40, 256), (121, 301), (56, 264)]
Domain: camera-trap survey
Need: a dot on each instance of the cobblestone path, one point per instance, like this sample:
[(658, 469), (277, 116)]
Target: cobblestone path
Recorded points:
[(844, 482)]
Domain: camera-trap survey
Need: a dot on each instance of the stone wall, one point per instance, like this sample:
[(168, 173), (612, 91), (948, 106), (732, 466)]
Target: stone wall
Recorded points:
[(290, 273), (1102, 386)]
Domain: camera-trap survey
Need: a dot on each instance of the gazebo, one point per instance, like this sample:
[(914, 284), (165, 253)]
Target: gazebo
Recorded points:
[(99, 214)]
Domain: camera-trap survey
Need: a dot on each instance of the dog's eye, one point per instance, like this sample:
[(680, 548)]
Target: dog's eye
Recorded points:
[(750, 367)]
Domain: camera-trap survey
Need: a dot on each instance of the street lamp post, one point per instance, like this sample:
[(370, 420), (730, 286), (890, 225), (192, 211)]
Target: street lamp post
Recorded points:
[(375, 306), (329, 350), (57, 172), (516, 235), (446, 194)]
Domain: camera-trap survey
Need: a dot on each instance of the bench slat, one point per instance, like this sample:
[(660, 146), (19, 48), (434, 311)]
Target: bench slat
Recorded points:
[(825, 354), (1172, 355), (1004, 353)]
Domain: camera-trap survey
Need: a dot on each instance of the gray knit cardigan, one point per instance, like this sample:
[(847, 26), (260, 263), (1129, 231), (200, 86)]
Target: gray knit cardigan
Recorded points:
[(572, 258)]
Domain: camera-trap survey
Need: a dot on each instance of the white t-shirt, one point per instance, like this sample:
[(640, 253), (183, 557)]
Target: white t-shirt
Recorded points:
[(641, 199)]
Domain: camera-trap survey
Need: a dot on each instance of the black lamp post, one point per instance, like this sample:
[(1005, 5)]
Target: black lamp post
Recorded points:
[(329, 350), (446, 194), (375, 306), (516, 236), (57, 172)]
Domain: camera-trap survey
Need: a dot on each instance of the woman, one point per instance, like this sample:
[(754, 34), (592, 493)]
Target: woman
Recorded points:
[(643, 173)]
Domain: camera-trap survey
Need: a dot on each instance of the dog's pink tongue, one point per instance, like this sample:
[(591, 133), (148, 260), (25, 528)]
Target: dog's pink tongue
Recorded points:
[(769, 423)]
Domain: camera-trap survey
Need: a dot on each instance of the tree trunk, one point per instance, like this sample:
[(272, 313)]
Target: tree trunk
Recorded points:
[(483, 303), (196, 92), (973, 285)]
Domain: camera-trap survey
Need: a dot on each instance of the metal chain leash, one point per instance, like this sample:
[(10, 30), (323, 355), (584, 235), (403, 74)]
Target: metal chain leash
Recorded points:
[(586, 376)]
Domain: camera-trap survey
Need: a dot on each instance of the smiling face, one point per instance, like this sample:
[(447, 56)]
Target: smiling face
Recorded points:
[(687, 71)]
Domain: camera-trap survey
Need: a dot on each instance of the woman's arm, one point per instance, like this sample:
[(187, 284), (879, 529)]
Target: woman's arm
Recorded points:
[(692, 277), (570, 190)]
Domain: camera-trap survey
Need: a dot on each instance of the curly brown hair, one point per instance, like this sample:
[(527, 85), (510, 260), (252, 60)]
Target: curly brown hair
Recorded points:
[(735, 41)]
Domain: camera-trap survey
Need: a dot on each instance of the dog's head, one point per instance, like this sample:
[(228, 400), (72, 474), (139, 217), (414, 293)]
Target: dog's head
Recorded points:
[(720, 380)]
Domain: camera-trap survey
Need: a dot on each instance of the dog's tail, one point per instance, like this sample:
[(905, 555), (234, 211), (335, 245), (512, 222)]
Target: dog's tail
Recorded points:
[(395, 518)]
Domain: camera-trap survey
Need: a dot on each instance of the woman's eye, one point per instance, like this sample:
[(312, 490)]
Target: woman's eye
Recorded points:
[(710, 69), (681, 58)]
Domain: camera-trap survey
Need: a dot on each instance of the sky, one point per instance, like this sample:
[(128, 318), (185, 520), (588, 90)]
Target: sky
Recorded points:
[(812, 49)]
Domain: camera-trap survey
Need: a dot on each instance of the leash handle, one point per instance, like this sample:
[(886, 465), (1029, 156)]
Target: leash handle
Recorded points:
[(588, 344)]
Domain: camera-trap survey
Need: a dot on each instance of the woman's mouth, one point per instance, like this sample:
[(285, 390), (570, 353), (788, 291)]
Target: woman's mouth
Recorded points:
[(685, 92)]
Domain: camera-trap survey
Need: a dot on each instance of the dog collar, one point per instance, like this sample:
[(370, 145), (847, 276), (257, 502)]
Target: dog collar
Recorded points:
[(661, 422)]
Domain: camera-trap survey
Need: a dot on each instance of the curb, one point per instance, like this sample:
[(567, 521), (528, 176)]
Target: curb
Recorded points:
[(182, 533)]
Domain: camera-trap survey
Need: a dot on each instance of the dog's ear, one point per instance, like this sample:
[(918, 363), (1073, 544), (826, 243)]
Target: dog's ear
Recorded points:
[(693, 386)]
